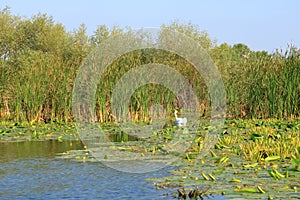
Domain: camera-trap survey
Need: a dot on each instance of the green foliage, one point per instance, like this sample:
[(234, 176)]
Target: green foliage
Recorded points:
[(38, 65), (258, 84), (246, 168), (39, 60)]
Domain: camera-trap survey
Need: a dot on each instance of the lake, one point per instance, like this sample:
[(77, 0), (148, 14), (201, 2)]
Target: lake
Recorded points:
[(32, 170)]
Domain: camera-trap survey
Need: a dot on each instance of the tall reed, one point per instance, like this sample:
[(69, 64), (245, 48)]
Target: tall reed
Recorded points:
[(39, 61)]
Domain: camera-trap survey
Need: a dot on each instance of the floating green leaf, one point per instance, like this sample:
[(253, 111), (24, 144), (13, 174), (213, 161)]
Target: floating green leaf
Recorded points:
[(272, 158), (247, 190), (250, 165)]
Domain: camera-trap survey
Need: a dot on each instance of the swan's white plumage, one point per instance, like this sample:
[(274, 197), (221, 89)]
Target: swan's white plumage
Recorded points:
[(179, 121)]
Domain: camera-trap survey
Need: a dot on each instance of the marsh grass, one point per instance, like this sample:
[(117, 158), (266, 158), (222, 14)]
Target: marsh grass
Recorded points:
[(256, 140), (283, 145), (41, 89), (39, 61), (253, 159)]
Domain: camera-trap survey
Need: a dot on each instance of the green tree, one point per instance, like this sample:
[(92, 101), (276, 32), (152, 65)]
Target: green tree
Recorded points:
[(193, 31)]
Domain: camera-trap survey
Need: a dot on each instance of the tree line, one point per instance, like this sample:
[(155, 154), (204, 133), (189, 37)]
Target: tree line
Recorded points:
[(39, 61)]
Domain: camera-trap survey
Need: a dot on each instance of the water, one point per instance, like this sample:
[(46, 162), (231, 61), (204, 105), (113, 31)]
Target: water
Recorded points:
[(31, 170)]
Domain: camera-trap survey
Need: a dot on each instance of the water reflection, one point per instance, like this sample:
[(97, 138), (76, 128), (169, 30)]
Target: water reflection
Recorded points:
[(34, 149), (31, 170)]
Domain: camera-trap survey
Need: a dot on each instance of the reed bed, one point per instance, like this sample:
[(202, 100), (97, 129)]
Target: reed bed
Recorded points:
[(39, 60)]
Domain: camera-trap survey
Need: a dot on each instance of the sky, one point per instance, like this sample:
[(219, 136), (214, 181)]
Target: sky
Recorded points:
[(260, 24)]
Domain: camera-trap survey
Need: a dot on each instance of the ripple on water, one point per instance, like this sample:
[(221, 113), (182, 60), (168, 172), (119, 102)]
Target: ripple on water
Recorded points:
[(47, 177)]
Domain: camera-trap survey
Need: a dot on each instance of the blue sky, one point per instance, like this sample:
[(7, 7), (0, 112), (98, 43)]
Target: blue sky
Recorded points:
[(260, 24)]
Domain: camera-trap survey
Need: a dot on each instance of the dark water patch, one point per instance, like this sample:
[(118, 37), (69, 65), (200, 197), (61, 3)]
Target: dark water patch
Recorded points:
[(35, 149)]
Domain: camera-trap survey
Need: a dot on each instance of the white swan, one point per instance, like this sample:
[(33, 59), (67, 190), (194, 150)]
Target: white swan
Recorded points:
[(179, 121)]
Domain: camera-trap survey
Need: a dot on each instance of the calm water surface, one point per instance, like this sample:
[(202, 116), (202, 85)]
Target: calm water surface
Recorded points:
[(31, 170)]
